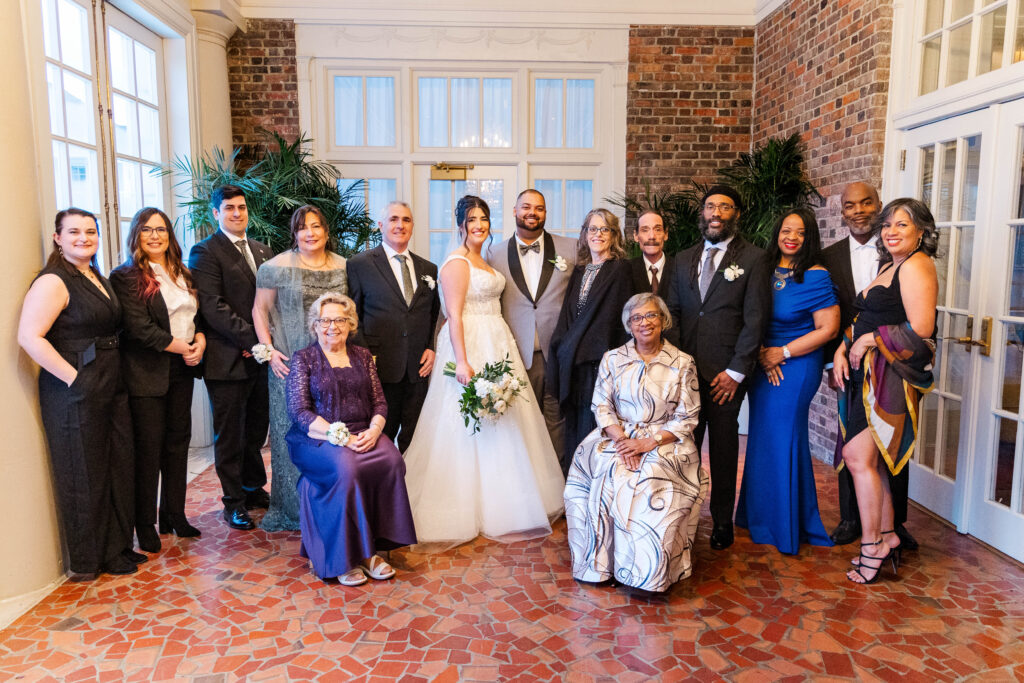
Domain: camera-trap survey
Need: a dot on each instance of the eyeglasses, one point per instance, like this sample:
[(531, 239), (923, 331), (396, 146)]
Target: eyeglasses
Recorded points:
[(146, 230), (326, 323), (599, 230), (723, 207), (650, 316)]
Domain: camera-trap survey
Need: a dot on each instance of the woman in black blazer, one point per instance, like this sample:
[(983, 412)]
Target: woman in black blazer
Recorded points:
[(589, 325), (161, 348)]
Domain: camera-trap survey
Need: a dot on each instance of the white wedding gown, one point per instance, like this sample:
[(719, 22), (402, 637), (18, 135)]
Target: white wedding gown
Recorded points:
[(504, 481)]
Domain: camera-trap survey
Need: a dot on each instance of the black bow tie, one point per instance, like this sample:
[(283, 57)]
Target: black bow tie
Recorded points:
[(525, 249)]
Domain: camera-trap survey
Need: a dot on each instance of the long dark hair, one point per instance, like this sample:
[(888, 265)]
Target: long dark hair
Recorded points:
[(298, 222), (56, 258), (462, 209), (144, 283), (810, 252), (921, 216)]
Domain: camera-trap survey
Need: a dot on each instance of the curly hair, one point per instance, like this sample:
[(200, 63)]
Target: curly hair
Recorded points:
[(583, 246), (920, 215), (317, 307), (642, 299)]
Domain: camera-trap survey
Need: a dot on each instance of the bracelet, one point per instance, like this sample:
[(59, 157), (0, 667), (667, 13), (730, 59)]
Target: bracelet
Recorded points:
[(785, 352)]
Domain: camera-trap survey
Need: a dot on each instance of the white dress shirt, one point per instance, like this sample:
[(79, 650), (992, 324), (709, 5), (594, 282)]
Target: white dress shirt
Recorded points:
[(181, 305), (863, 262), (659, 264), (721, 247), (396, 267), (532, 263), (250, 258)]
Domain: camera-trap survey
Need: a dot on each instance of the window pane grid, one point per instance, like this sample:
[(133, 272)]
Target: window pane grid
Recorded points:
[(364, 111), (464, 112), (563, 113), (961, 39)]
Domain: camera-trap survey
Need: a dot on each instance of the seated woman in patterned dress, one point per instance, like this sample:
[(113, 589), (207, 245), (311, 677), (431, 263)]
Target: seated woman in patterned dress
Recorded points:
[(635, 488)]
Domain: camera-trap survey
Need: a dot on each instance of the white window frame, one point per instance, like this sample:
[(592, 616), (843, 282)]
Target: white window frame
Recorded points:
[(448, 75), (565, 75), (563, 173), (329, 144)]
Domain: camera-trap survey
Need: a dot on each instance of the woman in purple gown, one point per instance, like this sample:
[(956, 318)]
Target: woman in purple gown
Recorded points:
[(351, 489)]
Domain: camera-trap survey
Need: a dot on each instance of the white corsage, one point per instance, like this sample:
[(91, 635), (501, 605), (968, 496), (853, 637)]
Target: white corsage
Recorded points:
[(559, 263), (732, 272), (338, 433), (430, 281), (262, 352)]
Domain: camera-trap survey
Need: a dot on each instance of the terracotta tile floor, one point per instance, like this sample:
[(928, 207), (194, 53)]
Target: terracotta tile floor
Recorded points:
[(241, 605)]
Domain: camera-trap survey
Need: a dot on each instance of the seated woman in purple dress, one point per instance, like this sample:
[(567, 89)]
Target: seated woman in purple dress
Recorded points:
[(351, 489)]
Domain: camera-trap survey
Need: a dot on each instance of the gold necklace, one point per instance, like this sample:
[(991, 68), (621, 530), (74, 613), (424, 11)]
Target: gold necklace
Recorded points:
[(309, 265)]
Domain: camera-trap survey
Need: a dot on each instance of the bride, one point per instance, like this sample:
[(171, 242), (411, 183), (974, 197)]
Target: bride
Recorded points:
[(503, 482)]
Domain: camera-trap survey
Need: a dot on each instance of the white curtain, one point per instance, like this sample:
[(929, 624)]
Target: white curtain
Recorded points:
[(547, 121), (579, 113), (379, 191), (465, 112), (579, 200), (552, 191), (497, 112), (348, 111), (380, 111), (433, 114)]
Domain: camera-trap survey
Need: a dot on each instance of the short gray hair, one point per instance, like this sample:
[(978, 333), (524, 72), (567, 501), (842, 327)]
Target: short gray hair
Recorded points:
[(346, 303), (642, 299), (383, 216)]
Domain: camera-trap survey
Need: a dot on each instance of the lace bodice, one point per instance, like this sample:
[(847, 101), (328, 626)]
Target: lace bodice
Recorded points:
[(484, 294)]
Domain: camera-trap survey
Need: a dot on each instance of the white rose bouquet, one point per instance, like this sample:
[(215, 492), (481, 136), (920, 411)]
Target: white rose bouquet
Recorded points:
[(489, 393), (338, 433)]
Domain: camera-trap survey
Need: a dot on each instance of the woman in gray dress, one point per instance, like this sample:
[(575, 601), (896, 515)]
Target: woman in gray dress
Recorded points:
[(286, 286)]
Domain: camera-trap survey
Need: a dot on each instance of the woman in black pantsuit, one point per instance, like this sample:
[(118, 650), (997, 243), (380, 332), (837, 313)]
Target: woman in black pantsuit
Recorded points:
[(161, 349), (69, 324)]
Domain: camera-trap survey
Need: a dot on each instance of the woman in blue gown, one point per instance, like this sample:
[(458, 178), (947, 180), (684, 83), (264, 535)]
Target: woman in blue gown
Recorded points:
[(778, 501)]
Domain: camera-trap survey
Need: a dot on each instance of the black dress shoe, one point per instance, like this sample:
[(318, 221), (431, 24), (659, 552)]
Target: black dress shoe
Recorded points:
[(846, 532), (134, 557), (907, 542), (120, 565), (148, 539), (239, 519), (721, 536), (178, 525), (257, 499)]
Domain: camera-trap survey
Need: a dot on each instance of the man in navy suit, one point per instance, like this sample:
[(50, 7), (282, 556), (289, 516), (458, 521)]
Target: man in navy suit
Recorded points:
[(396, 298), (652, 270), (224, 272), (720, 302)]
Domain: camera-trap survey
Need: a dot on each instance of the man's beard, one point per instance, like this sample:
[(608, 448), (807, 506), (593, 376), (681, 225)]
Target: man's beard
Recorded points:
[(728, 228), (521, 223)]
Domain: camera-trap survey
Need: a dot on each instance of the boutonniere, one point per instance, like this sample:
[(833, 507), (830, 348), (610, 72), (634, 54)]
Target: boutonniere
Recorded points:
[(732, 272), (429, 280), (559, 263)]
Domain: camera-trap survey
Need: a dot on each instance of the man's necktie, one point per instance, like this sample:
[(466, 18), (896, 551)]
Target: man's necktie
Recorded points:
[(654, 279), (243, 246), (406, 277), (525, 249), (708, 272)]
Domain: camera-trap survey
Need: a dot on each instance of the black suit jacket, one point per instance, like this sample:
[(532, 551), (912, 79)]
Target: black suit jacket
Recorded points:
[(638, 273), (836, 257), (726, 329), (227, 289), (586, 336), (395, 333), (145, 333)]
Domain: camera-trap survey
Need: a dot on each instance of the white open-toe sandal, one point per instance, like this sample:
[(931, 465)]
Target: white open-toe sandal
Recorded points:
[(354, 577), (376, 568)]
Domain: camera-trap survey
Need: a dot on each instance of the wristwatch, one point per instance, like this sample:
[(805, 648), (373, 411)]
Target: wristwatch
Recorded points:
[(658, 438), (785, 352)]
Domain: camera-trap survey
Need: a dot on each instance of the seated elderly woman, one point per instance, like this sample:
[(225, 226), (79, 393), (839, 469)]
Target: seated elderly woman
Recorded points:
[(635, 488), (351, 489)]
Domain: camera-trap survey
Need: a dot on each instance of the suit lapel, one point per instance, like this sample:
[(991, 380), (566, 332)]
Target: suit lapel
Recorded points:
[(380, 258), (731, 253), (846, 270), (515, 269), (235, 257), (419, 270), (547, 267)]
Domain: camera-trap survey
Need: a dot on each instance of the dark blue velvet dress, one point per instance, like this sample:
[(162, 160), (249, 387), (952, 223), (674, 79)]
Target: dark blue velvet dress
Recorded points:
[(778, 501)]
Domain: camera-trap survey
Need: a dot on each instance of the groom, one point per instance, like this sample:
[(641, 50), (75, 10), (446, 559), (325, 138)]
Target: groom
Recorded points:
[(536, 266), (395, 292)]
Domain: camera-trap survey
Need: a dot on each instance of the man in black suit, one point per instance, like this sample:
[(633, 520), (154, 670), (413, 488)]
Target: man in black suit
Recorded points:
[(720, 303), (224, 273), (652, 270), (397, 302), (853, 264)]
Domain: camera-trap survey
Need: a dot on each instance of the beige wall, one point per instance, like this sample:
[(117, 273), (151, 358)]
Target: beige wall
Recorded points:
[(31, 550)]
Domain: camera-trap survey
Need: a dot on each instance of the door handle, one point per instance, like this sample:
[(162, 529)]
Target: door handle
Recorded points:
[(985, 342)]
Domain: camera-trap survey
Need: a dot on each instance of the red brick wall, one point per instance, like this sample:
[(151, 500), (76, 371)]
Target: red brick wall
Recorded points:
[(688, 103), (823, 70), (263, 81)]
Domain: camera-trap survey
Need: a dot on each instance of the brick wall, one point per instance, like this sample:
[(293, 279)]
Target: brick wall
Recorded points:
[(263, 81), (688, 103), (823, 70)]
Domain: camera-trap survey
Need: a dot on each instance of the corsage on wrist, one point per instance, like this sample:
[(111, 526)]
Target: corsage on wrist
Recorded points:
[(262, 352), (338, 434)]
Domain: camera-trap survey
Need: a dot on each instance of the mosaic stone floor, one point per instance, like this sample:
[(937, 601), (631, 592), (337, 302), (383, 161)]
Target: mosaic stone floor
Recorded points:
[(242, 606)]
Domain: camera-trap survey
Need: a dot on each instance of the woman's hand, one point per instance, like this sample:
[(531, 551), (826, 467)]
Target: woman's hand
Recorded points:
[(73, 378), (840, 368), (364, 440), (771, 357), (278, 363), (775, 375), (464, 373), (631, 451), (860, 347), (195, 351)]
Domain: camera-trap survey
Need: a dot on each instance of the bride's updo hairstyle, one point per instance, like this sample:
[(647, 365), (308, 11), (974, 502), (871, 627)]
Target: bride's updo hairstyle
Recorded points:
[(462, 209)]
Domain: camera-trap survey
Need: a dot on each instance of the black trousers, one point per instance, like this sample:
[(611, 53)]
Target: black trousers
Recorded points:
[(405, 401), (163, 429), (898, 484), (722, 425), (241, 417), (579, 418)]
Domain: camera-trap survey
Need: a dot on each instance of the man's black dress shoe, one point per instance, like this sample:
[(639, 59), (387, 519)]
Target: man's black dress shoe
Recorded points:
[(846, 532), (120, 565), (257, 498), (134, 557), (239, 519), (149, 540), (907, 542), (721, 536)]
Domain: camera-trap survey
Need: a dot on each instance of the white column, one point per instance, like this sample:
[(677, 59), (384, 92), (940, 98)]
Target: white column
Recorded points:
[(213, 30)]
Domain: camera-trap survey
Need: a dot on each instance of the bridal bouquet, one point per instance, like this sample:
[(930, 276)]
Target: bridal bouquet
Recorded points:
[(489, 393)]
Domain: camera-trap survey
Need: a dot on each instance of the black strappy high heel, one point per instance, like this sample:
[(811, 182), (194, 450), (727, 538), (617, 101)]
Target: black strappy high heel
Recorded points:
[(895, 554), (861, 564)]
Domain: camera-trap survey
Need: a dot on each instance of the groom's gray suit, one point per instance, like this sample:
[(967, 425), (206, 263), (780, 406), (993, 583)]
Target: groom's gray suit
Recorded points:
[(532, 314)]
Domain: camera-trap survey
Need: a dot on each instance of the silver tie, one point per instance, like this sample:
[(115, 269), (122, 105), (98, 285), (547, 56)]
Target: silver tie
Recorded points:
[(406, 277), (707, 272), (243, 246)]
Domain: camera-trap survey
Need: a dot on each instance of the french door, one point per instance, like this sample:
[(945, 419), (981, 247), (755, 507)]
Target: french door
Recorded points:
[(967, 463)]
